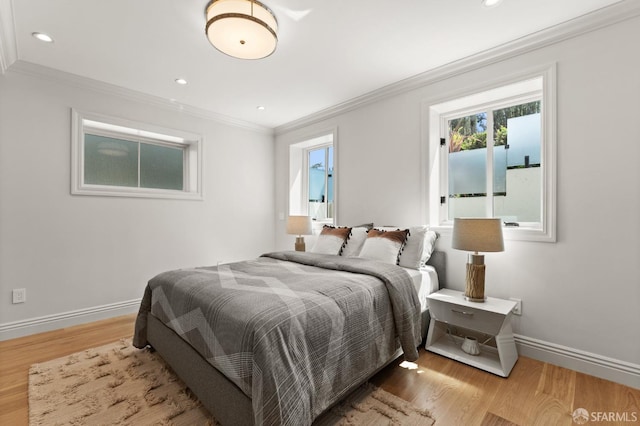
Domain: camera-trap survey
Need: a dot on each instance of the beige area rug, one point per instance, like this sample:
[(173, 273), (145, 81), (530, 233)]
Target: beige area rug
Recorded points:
[(119, 384)]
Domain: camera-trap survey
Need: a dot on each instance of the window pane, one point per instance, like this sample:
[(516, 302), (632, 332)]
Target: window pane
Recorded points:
[(161, 167), (467, 166), (317, 183), (110, 161), (517, 132), (499, 170)]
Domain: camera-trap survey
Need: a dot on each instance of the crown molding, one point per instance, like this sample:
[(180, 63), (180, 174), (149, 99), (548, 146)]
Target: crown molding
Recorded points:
[(85, 83), (9, 62), (626, 9), (8, 45)]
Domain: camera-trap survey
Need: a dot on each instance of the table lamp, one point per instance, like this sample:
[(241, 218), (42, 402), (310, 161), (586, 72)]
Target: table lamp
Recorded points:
[(476, 235), (299, 225)]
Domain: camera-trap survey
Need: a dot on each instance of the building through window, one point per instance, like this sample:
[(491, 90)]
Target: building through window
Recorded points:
[(494, 170)]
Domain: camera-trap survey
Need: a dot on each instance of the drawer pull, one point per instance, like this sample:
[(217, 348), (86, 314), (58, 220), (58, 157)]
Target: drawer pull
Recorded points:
[(462, 312)]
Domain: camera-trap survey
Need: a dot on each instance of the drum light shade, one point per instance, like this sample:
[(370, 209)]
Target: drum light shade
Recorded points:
[(244, 29), (299, 225), (476, 235)]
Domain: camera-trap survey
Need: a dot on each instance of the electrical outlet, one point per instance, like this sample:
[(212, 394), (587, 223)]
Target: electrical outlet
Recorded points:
[(518, 309), (19, 295)]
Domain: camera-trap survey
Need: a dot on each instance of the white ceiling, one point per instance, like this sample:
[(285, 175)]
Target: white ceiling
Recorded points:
[(329, 51)]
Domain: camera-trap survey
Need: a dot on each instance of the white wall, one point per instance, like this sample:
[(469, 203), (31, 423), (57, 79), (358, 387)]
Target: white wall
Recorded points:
[(581, 295), (77, 255)]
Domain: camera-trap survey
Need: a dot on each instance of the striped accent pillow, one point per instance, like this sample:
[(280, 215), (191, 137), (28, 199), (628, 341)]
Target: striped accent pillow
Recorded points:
[(331, 240), (384, 246), (418, 247)]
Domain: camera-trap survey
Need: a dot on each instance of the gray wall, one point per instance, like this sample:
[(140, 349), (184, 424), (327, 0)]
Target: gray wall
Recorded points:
[(580, 295), (82, 257)]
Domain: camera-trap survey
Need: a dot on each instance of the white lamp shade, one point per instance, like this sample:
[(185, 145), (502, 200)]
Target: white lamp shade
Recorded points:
[(299, 225), (477, 234), (243, 29)]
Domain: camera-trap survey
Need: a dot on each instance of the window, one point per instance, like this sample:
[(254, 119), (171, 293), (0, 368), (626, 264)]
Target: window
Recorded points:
[(123, 158), (312, 179), (494, 154), (495, 173), (320, 183)]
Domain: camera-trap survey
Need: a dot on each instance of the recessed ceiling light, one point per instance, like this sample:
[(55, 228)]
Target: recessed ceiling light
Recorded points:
[(260, 108), (43, 37), (181, 81), (490, 3)]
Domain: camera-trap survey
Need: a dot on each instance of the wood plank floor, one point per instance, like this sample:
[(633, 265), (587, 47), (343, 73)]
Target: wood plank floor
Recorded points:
[(536, 393)]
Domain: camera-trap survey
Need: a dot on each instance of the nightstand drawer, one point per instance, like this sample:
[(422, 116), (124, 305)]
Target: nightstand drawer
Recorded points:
[(466, 317)]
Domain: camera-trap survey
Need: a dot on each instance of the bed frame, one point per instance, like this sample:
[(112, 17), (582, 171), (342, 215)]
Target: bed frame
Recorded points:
[(222, 398)]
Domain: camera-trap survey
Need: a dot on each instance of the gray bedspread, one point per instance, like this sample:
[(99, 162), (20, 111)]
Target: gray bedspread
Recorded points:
[(292, 330)]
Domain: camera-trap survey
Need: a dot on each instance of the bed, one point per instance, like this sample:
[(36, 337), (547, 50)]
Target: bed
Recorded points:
[(295, 353)]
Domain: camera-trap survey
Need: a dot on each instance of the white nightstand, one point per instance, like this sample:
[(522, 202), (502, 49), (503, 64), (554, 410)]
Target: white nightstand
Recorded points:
[(449, 310)]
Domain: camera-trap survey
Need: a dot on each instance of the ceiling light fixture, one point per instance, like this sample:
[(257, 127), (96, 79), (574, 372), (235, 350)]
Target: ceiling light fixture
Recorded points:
[(181, 81), (244, 29), (490, 3), (43, 37)]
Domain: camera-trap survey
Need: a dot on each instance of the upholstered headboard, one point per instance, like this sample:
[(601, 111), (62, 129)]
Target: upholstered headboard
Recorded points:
[(438, 260)]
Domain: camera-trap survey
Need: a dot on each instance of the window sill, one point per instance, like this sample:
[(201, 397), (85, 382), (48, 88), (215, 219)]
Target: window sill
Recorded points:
[(105, 191)]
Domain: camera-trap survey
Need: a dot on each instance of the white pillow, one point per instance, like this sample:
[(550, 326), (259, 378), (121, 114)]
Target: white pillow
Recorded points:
[(331, 240), (355, 242), (384, 246), (418, 247)]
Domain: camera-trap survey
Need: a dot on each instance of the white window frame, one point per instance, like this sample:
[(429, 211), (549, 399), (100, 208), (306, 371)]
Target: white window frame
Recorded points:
[(299, 174), (99, 124), (306, 167), (528, 86)]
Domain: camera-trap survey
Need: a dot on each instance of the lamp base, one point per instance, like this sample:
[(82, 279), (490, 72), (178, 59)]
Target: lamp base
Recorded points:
[(300, 246), (471, 299), (474, 290)]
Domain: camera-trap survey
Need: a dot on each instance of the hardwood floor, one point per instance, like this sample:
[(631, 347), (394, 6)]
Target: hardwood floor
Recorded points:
[(17, 355), (536, 393)]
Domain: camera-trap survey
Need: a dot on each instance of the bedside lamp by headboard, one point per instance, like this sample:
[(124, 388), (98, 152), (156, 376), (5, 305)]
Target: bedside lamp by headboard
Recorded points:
[(299, 225), (476, 235)]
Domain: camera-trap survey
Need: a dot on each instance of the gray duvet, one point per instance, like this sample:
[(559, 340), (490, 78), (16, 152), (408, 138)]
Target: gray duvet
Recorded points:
[(292, 330)]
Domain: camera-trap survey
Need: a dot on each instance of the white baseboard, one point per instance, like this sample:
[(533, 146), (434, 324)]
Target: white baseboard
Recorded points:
[(30, 326), (615, 370)]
